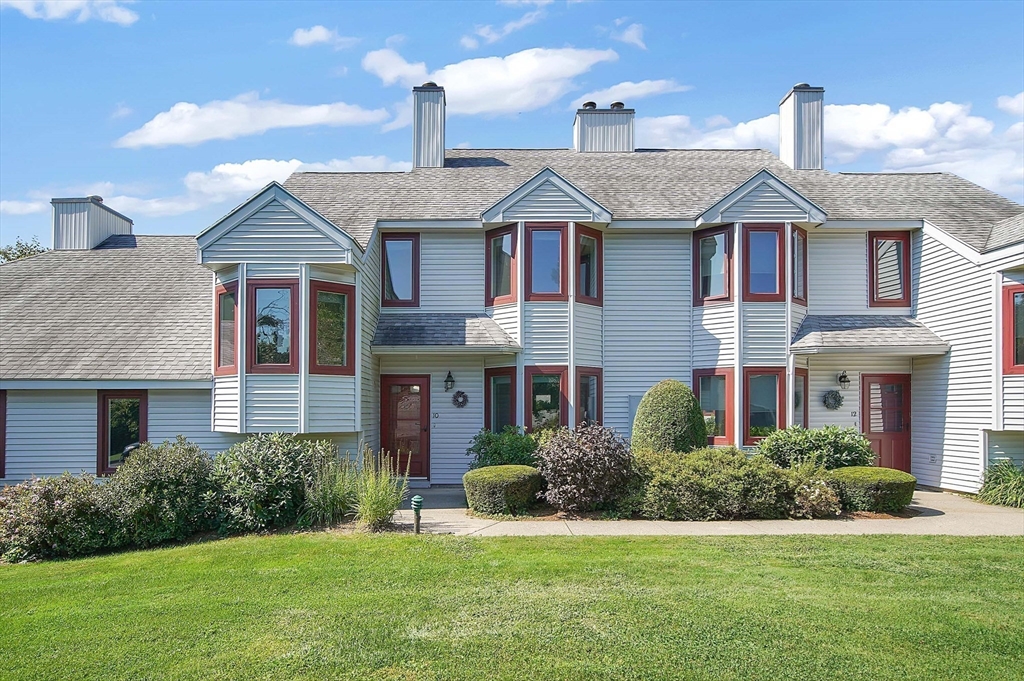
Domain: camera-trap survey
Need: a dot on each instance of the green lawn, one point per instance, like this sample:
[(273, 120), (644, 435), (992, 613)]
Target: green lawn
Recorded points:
[(404, 607)]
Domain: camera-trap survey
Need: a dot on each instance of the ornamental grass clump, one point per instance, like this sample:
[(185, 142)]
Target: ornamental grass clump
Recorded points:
[(380, 490), (584, 468), (669, 419), (1004, 485), (332, 495)]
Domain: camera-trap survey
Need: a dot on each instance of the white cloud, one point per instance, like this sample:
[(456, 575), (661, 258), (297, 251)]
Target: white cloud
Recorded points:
[(525, 3), (23, 207), (1012, 105), (631, 35), (493, 35), (469, 42), (120, 111), (523, 81), (396, 40), (189, 124), (111, 11), (628, 91), (321, 35)]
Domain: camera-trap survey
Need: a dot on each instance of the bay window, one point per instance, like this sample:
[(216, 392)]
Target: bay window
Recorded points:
[(121, 423), (763, 263), (332, 323), (546, 397), (1013, 329), (889, 268), (226, 334), (799, 266), (588, 265), (713, 390), (589, 395), (545, 262), (501, 266), (400, 270), (712, 265), (764, 409), (800, 392), (499, 398), (272, 326)]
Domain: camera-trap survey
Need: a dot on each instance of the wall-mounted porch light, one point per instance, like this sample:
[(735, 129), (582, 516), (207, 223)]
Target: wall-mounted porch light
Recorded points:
[(449, 382), (842, 379)]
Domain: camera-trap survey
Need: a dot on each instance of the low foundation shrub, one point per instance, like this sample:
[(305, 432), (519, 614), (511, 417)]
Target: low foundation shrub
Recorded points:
[(584, 468), (502, 489), (812, 495), (510, 447), (381, 487), (870, 488), (1004, 485), (163, 493), (829, 446), (669, 419)]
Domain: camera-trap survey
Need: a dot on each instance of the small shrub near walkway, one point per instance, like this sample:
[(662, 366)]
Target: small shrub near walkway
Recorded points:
[(502, 490), (584, 468), (1004, 485), (510, 447), (829, 446), (868, 488)]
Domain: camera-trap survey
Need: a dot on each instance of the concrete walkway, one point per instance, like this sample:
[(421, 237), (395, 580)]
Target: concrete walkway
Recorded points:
[(941, 513)]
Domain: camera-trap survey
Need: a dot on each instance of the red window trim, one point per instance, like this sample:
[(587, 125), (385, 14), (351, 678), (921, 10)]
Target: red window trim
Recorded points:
[(599, 237), (1008, 366), (599, 374), (3, 434), (698, 301), (349, 368), (780, 266), (563, 388), (103, 398), (780, 406), (873, 300), (401, 236), (563, 228), (489, 299), (803, 375), (219, 370), (729, 436), (250, 327), (488, 375), (803, 273)]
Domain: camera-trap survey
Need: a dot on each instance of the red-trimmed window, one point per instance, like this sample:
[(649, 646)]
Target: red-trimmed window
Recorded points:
[(889, 269), (712, 265), (121, 423), (799, 266), (400, 270), (764, 407), (589, 395), (800, 393), (332, 328), (713, 390), (272, 326), (546, 402), (501, 266), (499, 398), (589, 265), (3, 434), (546, 276), (1013, 329), (225, 348), (764, 263)]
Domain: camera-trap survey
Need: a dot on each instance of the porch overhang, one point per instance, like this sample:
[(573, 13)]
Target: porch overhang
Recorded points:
[(866, 334), (416, 333)]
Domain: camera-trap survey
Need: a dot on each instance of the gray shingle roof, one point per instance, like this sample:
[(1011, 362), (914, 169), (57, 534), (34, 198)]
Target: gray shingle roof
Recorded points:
[(470, 331), (136, 307), (649, 184), (820, 333), (1006, 232)]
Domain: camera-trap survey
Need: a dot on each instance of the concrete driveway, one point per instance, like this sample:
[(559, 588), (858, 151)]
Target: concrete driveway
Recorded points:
[(940, 513)]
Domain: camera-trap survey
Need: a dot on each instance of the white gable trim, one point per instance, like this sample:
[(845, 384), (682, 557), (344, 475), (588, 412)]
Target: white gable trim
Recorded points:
[(496, 212), (714, 214), (272, 192)]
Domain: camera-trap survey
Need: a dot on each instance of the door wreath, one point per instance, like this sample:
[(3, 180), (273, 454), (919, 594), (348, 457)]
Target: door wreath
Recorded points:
[(460, 399)]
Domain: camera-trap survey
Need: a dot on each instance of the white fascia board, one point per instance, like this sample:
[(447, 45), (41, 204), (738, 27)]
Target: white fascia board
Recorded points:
[(429, 224), (872, 224), (442, 350), (44, 384), (1000, 253), (962, 249), (652, 224), (713, 215), (598, 212), (901, 351)]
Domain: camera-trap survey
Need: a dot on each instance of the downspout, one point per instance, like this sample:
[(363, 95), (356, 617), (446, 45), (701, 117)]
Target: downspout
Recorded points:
[(213, 344), (790, 359), (737, 284), (570, 263), (304, 348), (243, 360), (359, 355), (520, 326)]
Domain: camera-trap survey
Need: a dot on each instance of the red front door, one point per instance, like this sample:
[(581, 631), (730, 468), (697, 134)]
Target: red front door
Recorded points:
[(405, 422), (885, 418)]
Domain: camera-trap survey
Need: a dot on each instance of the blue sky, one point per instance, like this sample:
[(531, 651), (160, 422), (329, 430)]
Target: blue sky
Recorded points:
[(176, 112)]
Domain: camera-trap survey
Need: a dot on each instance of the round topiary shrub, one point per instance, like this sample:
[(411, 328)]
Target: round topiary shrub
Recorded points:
[(669, 419), (870, 488), (501, 489)]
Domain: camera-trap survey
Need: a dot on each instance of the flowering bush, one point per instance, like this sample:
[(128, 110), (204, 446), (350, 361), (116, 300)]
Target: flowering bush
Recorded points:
[(813, 497), (583, 468)]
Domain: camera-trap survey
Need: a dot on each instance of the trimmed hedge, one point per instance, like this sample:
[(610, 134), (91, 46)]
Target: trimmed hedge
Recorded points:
[(501, 489), (669, 419), (829, 446), (871, 488)]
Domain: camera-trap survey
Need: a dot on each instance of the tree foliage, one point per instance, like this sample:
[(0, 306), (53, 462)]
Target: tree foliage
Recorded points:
[(21, 249)]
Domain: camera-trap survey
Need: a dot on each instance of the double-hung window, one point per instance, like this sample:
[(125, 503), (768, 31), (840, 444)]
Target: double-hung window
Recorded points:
[(226, 334), (799, 266), (121, 423), (400, 270), (501, 266), (332, 323), (589, 276), (712, 265), (272, 328), (763, 263), (545, 261), (800, 392), (889, 267), (764, 407), (588, 395), (546, 397), (499, 398), (713, 390), (1013, 329)]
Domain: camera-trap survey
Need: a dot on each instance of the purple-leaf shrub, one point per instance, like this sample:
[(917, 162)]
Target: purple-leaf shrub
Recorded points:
[(584, 468)]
